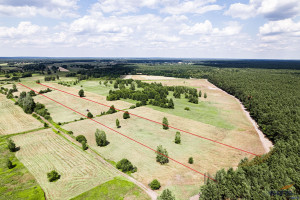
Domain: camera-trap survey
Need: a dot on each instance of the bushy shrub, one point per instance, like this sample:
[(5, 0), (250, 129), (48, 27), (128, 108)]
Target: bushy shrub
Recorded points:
[(126, 166), (53, 176), (81, 138), (155, 184)]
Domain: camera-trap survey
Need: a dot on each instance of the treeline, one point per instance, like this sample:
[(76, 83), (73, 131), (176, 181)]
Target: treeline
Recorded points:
[(26, 102), (272, 98)]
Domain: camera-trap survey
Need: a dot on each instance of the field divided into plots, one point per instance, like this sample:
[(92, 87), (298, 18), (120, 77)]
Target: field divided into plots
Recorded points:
[(13, 119), (44, 151)]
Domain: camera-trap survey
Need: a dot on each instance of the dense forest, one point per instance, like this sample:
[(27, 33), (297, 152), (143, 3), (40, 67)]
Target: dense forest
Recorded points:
[(272, 98)]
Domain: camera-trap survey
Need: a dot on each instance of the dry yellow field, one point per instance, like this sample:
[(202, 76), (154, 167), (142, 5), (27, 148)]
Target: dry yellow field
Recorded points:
[(44, 151), (13, 119), (61, 114)]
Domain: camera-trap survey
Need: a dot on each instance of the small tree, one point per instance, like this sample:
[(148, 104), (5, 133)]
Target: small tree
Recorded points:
[(9, 164), (11, 145), (116, 85), (191, 160), (161, 155), (166, 195), (132, 86), (126, 166), (117, 123), (53, 176), (200, 93), (126, 115), (81, 93), (171, 104), (84, 145), (45, 125), (165, 123), (205, 95), (14, 88), (187, 108), (100, 82), (100, 138), (177, 138), (155, 184), (81, 138), (111, 110), (90, 115)]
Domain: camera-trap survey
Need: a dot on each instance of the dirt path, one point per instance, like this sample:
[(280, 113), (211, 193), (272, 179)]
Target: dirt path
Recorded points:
[(267, 144), (151, 193)]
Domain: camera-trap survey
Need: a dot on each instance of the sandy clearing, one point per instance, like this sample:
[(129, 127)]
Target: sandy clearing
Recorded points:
[(63, 69)]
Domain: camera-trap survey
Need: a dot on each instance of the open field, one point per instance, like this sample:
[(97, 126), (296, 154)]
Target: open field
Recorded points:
[(208, 156), (44, 151), (61, 114), (13, 119), (219, 117), (18, 182), (118, 188)]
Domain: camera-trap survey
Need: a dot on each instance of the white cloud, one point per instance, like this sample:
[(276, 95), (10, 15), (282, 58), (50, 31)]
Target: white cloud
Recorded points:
[(51, 8), (285, 27), (196, 6), (270, 9), (22, 30), (206, 28)]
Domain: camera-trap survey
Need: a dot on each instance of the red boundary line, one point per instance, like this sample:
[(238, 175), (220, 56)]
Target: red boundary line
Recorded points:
[(121, 134), (155, 121)]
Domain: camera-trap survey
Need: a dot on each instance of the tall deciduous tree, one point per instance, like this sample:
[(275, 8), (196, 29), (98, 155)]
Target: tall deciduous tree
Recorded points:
[(100, 138), (165, 123), (161, 155), (177, 138), (81, 93)]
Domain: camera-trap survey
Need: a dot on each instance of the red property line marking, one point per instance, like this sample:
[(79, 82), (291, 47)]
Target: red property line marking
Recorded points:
[(155, 121), (121, 134)]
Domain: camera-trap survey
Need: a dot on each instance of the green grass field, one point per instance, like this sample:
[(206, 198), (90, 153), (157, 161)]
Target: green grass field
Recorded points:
[(16, 183), (205, 112), (116, 189)]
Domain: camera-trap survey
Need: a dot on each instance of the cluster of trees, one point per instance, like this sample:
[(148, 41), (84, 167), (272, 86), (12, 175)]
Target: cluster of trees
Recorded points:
[(49, 78), (126, 166), (189, 93), (26, 102), (68, 83), (45, 91), (153, 93)]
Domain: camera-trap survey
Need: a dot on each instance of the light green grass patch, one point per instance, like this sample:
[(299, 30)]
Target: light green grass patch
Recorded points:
[(16, 183), (116, 189)]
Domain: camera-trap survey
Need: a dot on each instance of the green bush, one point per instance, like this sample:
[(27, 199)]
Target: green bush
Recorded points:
[(187, 108), (101, 138), (126, 115), (155, 184), (53, 176), (84, 145), (9, 164), (126, 166), (11, 145), (191, 160), (177, 138), (90, 115), (81, 138), (165, 123), (166, 195)]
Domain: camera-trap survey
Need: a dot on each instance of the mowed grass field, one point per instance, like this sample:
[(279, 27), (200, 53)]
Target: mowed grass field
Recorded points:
[(44, 151), (18, 182), (208, 156), (13, 119), (61, 114), (219, 117)]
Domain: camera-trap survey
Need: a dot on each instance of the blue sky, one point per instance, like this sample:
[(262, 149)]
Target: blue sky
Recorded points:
[(151, 28)]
